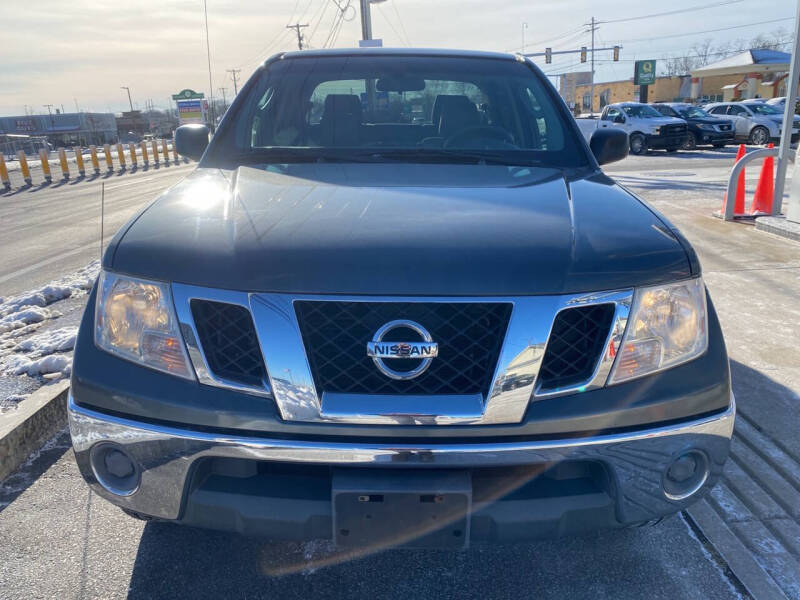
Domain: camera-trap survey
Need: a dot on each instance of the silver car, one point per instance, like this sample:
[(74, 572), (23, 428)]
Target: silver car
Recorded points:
[(755, 121)]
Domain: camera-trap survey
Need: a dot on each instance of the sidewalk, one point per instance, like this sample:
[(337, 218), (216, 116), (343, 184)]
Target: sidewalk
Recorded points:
[(752, 518)]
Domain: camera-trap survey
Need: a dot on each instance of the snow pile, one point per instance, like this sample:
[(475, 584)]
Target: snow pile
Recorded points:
[(48, 342), (41, 354), (25, 315), (73, 284), (55, 364)]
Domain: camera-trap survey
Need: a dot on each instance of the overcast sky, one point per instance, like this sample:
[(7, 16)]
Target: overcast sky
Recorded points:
[(82, 51)]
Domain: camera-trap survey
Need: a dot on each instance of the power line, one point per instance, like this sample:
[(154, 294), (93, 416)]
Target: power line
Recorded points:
[(664, 37), (400, 20), (547, 41), (673, 12), (388, 22)]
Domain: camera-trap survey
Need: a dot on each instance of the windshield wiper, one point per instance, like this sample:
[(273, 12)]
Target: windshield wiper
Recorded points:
[(446, 155)]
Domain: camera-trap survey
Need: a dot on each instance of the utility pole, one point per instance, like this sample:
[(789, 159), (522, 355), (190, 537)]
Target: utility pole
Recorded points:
[(234, 73), (49, 108), (366, 21), (127, 89), (297, 27), (222, 90), (591, 85)]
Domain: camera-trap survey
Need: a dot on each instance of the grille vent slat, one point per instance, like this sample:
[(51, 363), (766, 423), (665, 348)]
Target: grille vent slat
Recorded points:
[(469, 334), (228, 338), (576, 342)]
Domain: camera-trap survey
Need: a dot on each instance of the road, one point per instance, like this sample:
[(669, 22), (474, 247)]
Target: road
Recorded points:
[(47, 231), (59, 540)]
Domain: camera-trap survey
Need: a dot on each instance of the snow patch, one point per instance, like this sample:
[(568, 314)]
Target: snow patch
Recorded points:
[(54, 363), (24, 315), (77, 282), (48, 342)]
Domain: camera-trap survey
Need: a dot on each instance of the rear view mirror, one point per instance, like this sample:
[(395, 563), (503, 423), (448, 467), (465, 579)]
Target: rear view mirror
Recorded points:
[(609, 145), (191, 140), (400, 83)]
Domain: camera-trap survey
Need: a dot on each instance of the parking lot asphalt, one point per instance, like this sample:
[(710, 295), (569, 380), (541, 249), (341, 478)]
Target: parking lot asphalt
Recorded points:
[(57, 540)]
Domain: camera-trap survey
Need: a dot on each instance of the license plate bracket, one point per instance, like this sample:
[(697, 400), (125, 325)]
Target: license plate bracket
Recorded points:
[(419, 509)]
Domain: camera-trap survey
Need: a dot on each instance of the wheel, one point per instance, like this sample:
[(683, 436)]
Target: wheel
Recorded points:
[(638, 143), (759, 135), (690, 143)]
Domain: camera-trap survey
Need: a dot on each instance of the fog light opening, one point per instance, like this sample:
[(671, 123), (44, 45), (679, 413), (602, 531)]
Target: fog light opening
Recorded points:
[(685, 475), (115, 469)]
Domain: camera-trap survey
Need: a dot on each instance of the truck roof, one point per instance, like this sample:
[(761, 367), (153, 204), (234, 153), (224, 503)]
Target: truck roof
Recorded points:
[(442, 52)]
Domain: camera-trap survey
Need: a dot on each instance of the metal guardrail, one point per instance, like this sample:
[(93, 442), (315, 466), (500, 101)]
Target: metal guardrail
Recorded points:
[(733, 180)]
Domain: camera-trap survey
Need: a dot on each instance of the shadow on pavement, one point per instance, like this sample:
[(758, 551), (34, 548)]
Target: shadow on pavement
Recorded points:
[(19, 481)]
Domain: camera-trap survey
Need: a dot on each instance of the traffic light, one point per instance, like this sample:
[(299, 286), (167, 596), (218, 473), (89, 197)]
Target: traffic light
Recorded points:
[(616, 53), (583, 53), (548, 55)]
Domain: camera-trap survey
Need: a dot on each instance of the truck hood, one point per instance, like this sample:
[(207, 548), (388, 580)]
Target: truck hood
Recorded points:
[(657, 122), (399, 229)]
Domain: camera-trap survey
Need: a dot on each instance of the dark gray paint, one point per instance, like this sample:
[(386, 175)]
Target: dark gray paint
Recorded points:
[(400, 229)]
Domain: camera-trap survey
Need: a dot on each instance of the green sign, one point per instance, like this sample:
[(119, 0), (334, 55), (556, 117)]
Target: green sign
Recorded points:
[(644, 72), (188, 94)]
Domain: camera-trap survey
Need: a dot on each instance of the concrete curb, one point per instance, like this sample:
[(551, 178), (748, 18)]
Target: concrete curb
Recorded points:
[(37, 418)]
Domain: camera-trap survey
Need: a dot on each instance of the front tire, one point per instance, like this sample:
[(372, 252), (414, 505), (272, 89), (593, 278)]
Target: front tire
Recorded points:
[(638, 144), (690, 143), (759, 136)]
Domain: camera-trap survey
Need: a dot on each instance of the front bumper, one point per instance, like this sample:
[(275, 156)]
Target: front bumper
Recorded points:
[(714, 137), (230, 482)]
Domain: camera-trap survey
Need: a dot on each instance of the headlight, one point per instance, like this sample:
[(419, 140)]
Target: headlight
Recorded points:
[(135, 320), (667, 326)]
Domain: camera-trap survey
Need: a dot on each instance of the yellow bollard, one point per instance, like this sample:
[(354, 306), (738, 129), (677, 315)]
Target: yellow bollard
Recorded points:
[(23, 166), (4, 173), (45, 165), (132, 150), (107, 152), (143, 147), (175, 153), (155, 151), (121, 155), (165, 151), (62, 158), (95, 162), (79, 161)]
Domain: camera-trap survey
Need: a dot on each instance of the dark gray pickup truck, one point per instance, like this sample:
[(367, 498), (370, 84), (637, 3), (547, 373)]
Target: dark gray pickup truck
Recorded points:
[(399, 303)]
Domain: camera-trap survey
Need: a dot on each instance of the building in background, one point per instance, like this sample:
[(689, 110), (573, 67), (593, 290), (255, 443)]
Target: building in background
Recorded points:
[(567, 84), (758, 73), (665, 89), (64, 129)]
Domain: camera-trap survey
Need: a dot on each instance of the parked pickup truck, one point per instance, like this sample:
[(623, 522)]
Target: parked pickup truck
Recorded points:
[(647, 128), (356, 323)]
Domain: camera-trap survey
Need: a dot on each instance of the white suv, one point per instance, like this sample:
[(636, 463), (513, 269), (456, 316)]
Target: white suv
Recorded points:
[(754, 121)]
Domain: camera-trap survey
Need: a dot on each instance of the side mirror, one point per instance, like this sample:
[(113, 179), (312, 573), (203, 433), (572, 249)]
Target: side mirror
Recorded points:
[(619, 119), (191, 140), (609, 145)]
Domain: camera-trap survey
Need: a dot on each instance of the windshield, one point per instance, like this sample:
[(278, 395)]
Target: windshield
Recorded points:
[(641, 111), (693, 112), (398, 108), (761, 108)]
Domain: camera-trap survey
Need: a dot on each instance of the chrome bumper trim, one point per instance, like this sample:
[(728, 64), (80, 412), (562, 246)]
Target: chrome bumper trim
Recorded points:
[(165, 454)]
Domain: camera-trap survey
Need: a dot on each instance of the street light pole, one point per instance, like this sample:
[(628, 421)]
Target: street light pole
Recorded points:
[(127, 89), (366, 21), (793, 207), (524, 27)]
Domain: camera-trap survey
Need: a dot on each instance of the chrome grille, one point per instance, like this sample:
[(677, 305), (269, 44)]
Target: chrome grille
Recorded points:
[(469, 334), (229, 341), (576, 342)]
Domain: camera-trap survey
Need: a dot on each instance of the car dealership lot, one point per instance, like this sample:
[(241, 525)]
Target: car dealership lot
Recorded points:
[(59, 540)]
